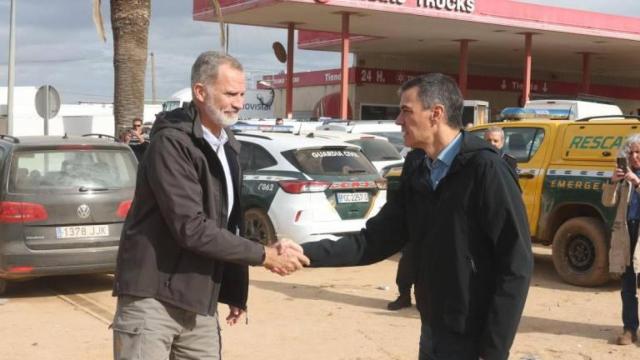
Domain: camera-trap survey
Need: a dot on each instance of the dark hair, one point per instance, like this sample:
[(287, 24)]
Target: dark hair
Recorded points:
[(436, 88)]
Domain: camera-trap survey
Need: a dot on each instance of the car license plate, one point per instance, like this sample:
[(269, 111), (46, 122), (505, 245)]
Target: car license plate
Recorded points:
[(352, 197), (85, 231)]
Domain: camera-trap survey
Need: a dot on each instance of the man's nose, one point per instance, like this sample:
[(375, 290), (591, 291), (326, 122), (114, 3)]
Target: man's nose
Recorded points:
[(399, 120), (237, 102)]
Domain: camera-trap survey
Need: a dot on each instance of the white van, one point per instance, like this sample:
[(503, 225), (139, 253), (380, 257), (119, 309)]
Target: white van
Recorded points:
[(575, 109), (475, 112)]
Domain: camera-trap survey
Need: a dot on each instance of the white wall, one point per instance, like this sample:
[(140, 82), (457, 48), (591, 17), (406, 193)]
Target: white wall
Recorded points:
[(73, 119)]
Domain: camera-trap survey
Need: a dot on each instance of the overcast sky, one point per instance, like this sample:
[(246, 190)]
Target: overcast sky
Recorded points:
[(57, 44)]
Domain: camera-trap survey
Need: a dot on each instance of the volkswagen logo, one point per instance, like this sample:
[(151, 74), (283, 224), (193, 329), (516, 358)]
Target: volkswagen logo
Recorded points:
[(83, 211)]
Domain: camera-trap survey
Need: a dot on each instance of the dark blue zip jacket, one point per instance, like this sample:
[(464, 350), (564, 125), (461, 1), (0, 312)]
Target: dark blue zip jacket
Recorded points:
[(470, 244)]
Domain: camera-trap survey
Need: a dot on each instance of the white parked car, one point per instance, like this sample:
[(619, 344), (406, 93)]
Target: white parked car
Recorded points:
[(384, 128), (376, 148), (305, 189)]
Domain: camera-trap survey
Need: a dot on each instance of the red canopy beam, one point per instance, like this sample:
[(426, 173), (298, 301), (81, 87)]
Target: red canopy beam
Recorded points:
[(526, 78), (289, 105), (344, 67)]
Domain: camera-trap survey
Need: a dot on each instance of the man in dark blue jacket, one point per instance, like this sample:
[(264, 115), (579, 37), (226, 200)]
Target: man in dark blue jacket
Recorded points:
[(459, 207)]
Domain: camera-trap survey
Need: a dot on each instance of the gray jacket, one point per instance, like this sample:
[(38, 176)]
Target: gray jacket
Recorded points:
[(620, 252), (177, 245)]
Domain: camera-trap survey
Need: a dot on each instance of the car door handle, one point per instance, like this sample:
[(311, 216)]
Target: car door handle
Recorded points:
[(526, 176)]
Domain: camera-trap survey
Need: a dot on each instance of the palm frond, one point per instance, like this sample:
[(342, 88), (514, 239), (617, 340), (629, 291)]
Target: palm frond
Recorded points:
[(218, 11), (97, 20)]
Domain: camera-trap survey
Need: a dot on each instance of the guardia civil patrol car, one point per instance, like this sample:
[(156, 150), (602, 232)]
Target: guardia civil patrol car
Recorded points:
[(562, 165), (305, 189), (377, 149)]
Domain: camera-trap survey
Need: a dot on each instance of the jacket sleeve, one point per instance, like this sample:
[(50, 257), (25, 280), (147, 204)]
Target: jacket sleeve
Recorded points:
[(504, 221), (383, 235), (175, 184), (235, 285)]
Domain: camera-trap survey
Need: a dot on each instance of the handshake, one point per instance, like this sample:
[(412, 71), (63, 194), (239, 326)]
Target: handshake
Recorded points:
[(284, 257)]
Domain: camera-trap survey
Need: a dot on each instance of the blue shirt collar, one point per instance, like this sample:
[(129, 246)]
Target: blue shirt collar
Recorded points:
[(449, 152)]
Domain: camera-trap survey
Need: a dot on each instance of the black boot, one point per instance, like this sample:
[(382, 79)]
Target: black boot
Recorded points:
[(403, 301)]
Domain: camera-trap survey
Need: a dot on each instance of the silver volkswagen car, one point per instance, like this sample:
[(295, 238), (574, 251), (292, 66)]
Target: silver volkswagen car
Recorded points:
[(63, 201)]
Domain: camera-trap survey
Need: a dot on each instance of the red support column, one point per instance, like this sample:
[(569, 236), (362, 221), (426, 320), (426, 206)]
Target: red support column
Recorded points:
[(289, 101), (586, 72), (462, 69), (344, 67), (526, 78)]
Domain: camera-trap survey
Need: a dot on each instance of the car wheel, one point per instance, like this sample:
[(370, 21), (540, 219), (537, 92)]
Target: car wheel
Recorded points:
[(580, 252), (257, 226)]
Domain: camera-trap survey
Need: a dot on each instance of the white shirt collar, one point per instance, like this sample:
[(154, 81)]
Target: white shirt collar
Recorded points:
[(214, 140)]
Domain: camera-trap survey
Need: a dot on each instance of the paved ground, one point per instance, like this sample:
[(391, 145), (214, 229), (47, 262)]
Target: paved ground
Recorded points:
[(316, 314)]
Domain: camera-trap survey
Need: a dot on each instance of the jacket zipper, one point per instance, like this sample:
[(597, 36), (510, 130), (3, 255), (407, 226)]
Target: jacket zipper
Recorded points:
[(473, 264)]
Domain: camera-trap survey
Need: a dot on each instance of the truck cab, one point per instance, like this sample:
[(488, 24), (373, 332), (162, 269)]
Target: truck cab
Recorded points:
[(562, 166)]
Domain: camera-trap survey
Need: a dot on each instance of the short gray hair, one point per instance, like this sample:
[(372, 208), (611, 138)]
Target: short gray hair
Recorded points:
[(436, 88), (495, 129), (205, 68), (633, 139)]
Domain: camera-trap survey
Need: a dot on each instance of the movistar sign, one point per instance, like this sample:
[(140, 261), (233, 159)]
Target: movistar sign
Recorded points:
[(596, 142)]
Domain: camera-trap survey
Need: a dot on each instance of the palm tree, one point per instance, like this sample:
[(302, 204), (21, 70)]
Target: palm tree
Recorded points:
[(130, 26)]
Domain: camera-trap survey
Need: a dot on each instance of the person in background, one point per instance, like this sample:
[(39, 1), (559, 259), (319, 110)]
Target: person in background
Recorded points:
[(138, 149), (460, 208), (624, 256), (495, 136), (405, 278), (125, 137), (180, 251), (137, 133), (279, 121)]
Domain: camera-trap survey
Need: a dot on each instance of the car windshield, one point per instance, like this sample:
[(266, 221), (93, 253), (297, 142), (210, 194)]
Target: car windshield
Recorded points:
[(36, 171), (377, 149), (332, 161)]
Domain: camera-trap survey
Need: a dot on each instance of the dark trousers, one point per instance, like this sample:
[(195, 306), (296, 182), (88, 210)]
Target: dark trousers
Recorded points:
[(442, 344), (630, 284), (405, 277)]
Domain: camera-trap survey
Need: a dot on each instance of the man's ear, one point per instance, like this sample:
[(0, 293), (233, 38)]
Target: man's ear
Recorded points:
[(438, 112), (199, 92)]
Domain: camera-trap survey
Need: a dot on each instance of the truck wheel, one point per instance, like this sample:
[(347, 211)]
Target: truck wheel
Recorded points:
[(257, 226), (580, 252)]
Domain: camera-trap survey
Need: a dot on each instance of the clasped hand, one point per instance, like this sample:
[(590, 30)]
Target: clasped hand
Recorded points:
[(284, 257)]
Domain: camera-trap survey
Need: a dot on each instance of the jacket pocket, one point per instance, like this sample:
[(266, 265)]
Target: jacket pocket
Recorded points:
[(127, 339)]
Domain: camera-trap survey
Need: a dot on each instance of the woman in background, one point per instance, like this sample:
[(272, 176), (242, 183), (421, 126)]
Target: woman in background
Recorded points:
[(624, 255)]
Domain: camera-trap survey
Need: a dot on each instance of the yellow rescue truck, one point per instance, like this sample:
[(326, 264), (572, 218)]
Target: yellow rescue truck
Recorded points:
[(562, 165)]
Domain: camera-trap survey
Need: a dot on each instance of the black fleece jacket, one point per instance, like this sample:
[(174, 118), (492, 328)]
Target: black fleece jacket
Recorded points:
[(177, 245), (470, 242)]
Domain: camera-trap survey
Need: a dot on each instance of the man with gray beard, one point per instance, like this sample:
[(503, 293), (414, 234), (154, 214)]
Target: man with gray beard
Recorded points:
[(180, 250)]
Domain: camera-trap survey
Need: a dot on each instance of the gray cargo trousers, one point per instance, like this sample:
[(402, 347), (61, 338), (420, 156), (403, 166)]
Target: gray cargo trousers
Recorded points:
[(148, 329)]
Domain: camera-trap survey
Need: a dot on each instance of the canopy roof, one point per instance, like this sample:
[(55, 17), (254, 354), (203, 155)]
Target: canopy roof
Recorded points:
[(417, 27)]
